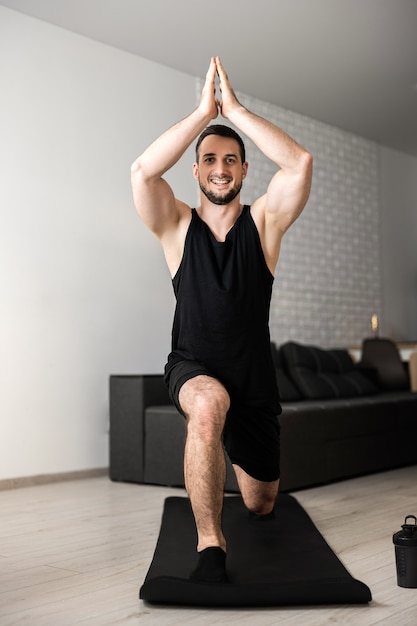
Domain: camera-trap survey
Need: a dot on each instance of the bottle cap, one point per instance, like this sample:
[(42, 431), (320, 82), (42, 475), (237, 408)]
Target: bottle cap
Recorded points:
[(408, 535)]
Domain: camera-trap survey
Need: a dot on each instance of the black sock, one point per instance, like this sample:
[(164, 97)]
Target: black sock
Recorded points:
[(211, 566)]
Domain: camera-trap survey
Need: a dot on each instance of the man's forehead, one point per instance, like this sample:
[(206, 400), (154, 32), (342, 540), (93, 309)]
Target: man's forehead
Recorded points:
[(214, 144)]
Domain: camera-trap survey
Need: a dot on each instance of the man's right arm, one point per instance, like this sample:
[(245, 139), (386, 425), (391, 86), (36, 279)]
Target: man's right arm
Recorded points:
[(153, 197)]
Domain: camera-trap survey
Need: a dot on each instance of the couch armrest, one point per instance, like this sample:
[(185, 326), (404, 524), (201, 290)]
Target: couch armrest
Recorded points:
[(129, 397), (370, 372), (383, 354)]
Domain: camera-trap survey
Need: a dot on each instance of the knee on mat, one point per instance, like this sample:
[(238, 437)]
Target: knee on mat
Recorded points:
[(263, 506)]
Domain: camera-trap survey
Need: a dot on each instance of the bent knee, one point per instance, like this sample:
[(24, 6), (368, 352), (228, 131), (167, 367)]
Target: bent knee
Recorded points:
[(213, 407), (204, 397), (205, 403), (207, 424), (263, 510), (259, 496), (261, 507)]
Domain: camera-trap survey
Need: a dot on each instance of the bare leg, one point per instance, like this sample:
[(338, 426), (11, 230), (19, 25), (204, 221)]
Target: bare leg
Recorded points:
[(258, 496), (205, 403)]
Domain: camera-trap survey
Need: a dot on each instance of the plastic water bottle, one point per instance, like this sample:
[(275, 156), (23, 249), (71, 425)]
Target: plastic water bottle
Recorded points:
[(405, 542)]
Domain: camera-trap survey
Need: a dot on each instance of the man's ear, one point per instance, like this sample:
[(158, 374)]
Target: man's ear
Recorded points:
[(195, 170), (245, 169)]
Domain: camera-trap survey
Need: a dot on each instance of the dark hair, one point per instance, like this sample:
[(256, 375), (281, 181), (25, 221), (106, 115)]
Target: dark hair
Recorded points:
[(223, 131)]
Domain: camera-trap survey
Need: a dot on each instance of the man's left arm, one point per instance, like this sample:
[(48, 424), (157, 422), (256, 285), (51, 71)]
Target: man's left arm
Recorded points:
[(289, 189)]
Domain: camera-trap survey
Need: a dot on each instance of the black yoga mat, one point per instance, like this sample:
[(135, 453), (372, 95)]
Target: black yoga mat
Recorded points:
[(284, 561)]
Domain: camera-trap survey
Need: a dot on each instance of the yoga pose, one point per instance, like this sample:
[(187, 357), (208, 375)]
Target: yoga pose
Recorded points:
[(222, 258)]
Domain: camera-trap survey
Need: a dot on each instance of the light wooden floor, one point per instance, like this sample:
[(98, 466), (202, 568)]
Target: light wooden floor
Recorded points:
[(77, 552)]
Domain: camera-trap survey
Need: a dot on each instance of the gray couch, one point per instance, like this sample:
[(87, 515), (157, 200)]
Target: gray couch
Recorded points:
[(339, 419)]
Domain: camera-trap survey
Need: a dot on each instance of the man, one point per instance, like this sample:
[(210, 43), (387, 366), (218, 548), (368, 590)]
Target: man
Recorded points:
[(222, 258)]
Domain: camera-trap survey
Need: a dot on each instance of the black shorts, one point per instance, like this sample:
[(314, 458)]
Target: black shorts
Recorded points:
[(251, 434)]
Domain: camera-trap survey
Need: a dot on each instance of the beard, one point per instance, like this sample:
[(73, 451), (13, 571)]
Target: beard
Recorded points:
[(218, 198)]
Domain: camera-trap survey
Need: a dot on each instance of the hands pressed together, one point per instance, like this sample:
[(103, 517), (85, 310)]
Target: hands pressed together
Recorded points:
[(208, 100)]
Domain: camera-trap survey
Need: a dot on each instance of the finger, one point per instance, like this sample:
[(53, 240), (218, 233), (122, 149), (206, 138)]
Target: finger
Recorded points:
[(220, 67), (211, 72)]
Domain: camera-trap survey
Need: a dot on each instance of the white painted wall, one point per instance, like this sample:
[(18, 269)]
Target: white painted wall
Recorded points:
[(79, 297), (399, 243)]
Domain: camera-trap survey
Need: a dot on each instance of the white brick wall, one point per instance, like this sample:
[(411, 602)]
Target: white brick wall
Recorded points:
[(328, 279)]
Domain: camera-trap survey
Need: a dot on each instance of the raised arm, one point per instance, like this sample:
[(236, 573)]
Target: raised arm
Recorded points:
[(153, 197), (289, 188)]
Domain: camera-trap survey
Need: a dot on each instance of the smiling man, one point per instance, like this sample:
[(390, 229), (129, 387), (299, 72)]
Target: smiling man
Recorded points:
[(219, 171), (222, 257)]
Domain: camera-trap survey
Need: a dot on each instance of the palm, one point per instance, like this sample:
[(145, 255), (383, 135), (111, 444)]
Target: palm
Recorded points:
[(208, 101), (229, 99)]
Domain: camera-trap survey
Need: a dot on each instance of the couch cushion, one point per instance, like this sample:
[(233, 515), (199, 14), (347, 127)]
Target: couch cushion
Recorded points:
[(287, 390), (320, 373)]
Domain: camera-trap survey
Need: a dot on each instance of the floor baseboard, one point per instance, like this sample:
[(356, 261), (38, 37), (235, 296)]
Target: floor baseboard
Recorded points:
[(44, 479)]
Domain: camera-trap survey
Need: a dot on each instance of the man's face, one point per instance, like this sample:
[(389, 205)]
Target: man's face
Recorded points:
[(220, 171)]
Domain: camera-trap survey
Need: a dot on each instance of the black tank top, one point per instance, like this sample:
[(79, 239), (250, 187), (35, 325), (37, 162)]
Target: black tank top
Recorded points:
[(223, 292)]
